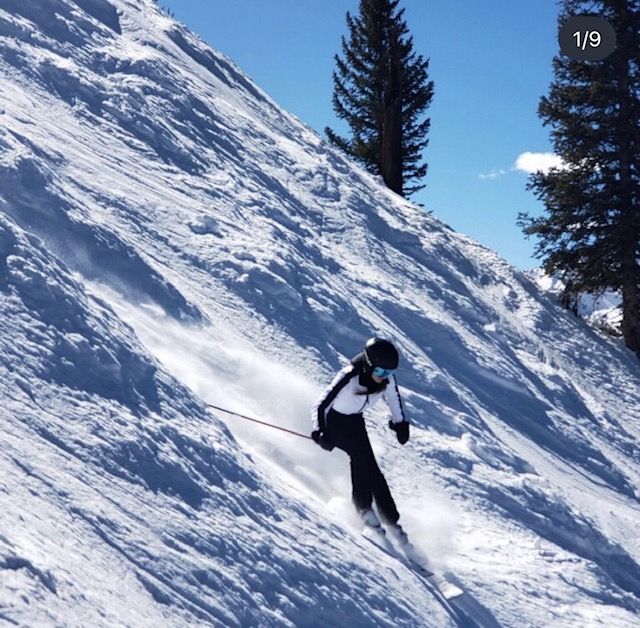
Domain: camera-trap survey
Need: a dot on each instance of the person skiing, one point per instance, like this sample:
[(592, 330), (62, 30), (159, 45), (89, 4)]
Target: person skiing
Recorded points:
[(338, 421)]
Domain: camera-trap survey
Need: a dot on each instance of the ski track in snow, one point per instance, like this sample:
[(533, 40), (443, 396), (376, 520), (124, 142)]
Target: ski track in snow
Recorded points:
[(171, 238)]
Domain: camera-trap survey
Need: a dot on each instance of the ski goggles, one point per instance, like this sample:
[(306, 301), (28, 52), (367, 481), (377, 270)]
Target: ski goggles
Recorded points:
[(378, 371)]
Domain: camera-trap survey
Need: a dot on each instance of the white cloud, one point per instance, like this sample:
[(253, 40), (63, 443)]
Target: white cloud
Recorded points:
[(494, 174), (536, 162), (528, 163)]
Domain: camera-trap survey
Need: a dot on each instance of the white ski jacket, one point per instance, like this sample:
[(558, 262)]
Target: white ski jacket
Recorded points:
[(346, 395)]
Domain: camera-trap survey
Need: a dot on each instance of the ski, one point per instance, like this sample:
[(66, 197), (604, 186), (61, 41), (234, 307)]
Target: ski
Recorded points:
[(378, 537)]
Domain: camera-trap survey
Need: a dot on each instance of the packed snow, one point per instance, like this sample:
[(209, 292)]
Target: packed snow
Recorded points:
[(172, 240)]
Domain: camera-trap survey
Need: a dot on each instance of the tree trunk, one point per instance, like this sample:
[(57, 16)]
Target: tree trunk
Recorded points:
[(631, 314), (391, 144), (629, 228)]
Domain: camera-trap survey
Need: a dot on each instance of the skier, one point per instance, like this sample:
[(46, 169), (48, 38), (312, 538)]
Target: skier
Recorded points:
[(338, 422)]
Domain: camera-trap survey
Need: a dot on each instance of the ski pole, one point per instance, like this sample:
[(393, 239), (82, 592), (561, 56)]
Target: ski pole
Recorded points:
[(248, 418)]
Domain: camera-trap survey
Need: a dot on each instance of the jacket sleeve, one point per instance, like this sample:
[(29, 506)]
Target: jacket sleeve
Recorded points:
[(392, 396), (323, 405)]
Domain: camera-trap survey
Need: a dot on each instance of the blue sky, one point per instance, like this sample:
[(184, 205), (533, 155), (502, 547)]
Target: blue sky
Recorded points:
[(490, 61)]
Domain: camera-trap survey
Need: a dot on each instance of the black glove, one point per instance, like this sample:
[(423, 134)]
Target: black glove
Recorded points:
[(323, 439), (402, 431)]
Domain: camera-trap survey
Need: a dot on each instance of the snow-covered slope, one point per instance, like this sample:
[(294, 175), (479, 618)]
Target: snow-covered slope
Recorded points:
[(603, 311), (171, 238)]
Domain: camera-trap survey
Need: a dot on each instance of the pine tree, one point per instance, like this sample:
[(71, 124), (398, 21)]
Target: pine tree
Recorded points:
[(382, 91), (589, 234)]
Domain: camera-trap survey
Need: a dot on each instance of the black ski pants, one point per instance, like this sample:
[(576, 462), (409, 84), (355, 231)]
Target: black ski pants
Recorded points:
[(349, 433)]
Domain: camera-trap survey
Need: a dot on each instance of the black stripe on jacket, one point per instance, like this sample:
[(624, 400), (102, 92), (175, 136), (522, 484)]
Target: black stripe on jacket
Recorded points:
[(331, 395), (395, 386)]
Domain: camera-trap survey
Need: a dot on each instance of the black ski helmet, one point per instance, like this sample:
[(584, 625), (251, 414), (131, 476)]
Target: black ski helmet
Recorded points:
[(382, 353)]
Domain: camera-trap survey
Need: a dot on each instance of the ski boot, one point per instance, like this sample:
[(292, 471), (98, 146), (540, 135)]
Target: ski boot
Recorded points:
[(370, 520), (398, 534)]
